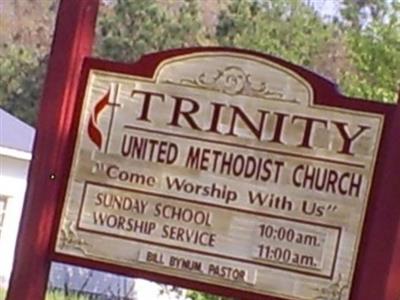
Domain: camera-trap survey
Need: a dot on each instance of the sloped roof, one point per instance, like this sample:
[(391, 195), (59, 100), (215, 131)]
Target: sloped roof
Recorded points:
[(15, 134)]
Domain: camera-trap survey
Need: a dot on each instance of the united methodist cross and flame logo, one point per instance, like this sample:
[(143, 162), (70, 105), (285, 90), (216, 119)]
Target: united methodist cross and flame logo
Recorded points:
[(93, 129)]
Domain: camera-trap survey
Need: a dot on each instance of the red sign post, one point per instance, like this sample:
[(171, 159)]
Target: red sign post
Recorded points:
[(73, 42), (245, 107)]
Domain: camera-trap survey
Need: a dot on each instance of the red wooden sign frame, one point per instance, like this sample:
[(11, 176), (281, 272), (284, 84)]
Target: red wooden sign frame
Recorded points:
[(377, 275)]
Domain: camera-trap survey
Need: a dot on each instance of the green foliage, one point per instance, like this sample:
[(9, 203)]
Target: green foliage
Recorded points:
[(356, 13), (21, 80), (2, 294), (192, 295), (51, 295), (358, 49), (136, 27), (57, 295), (24, 48), (375, 58), (286, 28)]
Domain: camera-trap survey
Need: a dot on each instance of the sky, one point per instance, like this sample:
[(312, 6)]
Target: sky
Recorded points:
[(326, 7), (147, 290)]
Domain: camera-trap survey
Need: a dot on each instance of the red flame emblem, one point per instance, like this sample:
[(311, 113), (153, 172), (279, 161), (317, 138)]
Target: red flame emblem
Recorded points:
[(94, 131)]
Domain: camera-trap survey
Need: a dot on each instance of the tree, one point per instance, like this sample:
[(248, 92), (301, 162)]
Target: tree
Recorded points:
[(73, 283), (192, 295), (355, 13), (359, 49), (289, 29), (24, 49), (374, 54), (21, 80), (133, 28)]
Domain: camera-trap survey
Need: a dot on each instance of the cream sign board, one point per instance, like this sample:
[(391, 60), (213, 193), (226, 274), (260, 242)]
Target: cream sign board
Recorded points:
[(221, 169)]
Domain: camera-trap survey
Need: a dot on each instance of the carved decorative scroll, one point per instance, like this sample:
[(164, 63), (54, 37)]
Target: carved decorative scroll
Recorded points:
[(335, 291), (232, 80), (70, 239)]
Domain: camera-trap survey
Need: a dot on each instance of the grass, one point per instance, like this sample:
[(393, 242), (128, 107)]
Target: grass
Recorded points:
[(50, 296), (56, 295), (2, 294)]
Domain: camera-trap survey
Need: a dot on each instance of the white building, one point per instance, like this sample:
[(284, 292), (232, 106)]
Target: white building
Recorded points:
[(16, 140)]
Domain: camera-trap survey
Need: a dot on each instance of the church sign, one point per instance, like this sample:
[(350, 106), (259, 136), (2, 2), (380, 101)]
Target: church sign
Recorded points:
[(222, 168)]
